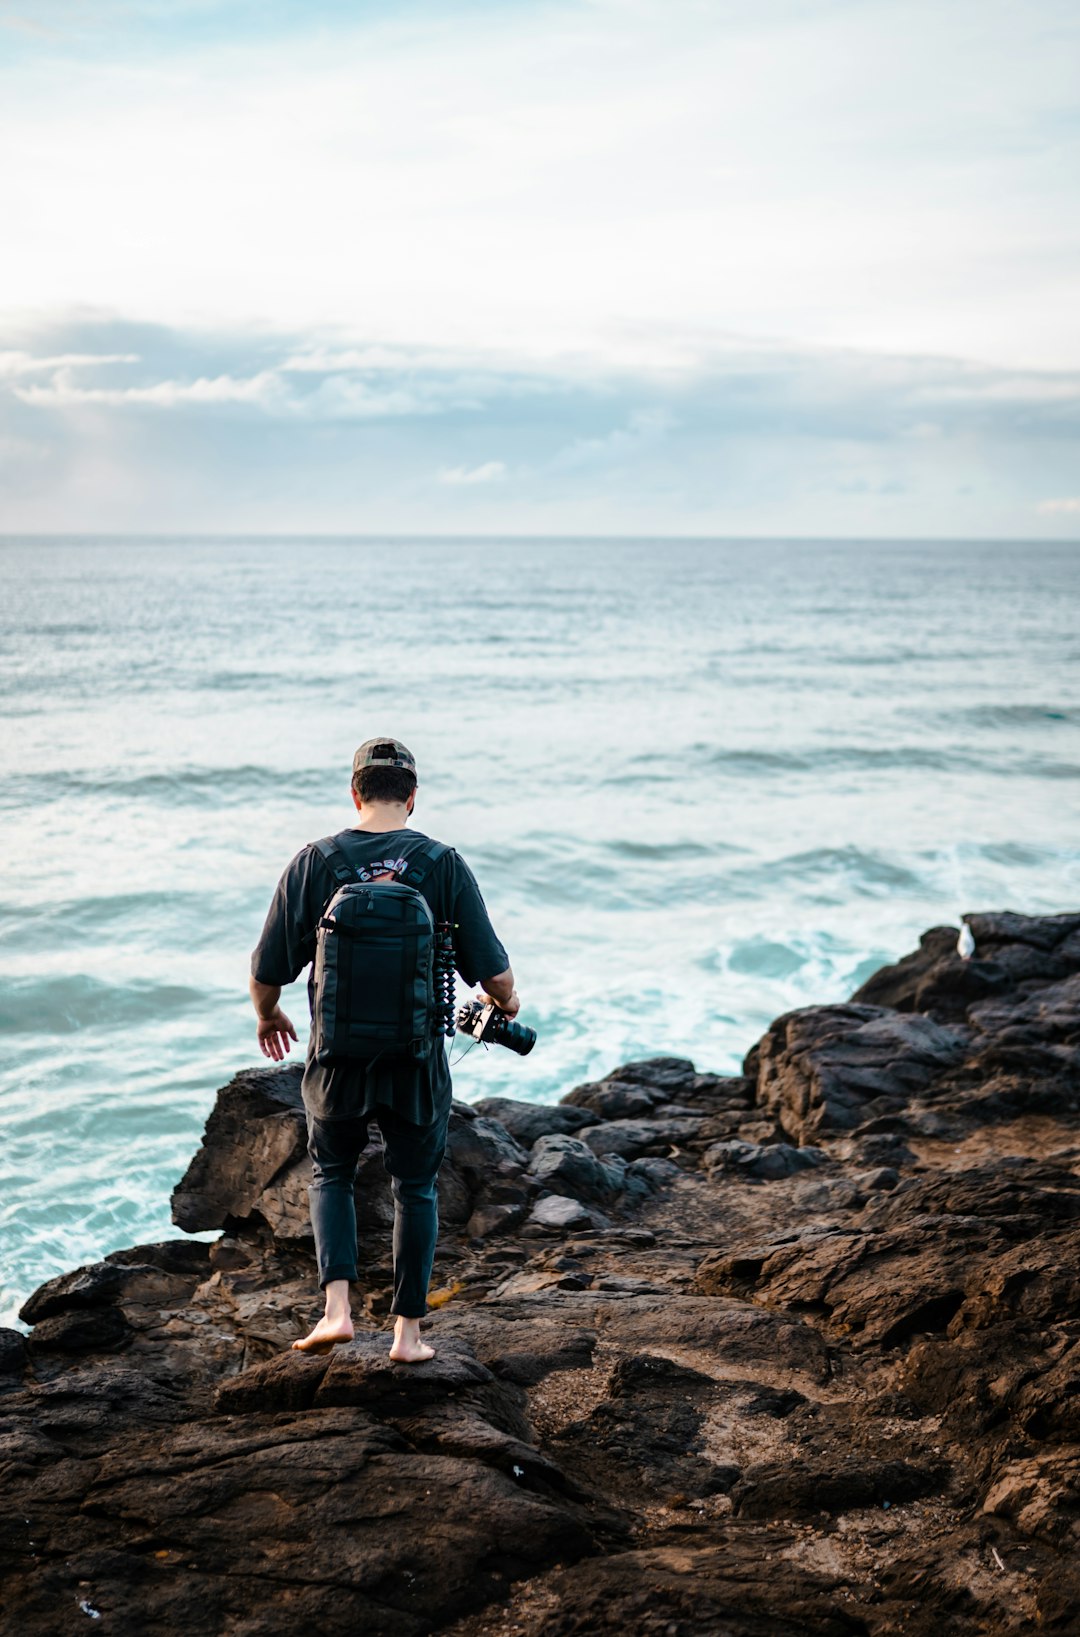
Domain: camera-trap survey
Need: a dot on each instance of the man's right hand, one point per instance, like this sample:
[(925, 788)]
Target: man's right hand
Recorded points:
[(274, 1033), (500, 989), (511, 1006)]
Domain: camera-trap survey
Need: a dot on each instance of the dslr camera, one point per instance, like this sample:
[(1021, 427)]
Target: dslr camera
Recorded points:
[(494, 1028)]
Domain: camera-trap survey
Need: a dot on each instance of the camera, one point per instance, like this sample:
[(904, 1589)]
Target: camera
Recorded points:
[(494, 1028)]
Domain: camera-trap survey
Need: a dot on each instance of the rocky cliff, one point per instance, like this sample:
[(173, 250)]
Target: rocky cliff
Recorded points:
[(789, 1352)]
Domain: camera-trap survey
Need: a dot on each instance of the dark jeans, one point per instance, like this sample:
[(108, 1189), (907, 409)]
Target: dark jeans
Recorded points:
[(412, 1155)]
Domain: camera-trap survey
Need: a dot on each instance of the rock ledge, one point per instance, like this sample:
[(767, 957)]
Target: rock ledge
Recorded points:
[(822, 1316)]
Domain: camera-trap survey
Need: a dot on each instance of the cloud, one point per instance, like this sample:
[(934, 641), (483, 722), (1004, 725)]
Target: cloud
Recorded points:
[(27, 25), (14, 450), (320, 384), (133, 425), (385, 394), (23, 363), (1044, 387), (645, 426), (335, 398), (552, 174), (1051, 508), (328, 361), (922, 429), (490, 472), (262, 389)]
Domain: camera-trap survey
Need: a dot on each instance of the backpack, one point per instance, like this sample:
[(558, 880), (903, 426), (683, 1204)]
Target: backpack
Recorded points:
[(380, 988)]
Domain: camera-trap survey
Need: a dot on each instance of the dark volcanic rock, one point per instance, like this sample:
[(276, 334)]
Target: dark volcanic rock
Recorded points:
[(255, 1129), (167, 1278), (636, 1088), (557, 1213), (253, 1164), (98, 1331), (1045, 1021), (631, 1138), (841, 1400), (763, 1163), (615, 1100), (527, 1121), (13, 1357), (774, 1490), (566, 1165), (288, 1382), (833, 1068), (1009, 949)]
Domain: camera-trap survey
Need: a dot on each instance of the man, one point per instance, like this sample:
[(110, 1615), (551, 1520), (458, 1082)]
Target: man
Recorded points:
[(409, 1099)]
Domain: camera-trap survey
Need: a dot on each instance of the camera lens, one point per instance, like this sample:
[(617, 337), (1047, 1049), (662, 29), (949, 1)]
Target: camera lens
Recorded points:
[(516, 1036)]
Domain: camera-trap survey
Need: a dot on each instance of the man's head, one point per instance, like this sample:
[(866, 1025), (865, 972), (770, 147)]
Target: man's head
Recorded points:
[(384, 771)]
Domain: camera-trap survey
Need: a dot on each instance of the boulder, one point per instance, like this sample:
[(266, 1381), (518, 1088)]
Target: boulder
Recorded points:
[(527, 1121), (1041, 1496), (559, 1214), (631, 1138), (833, 1068), (567, 1165), (1009, 949), (255, 1130), (166, 1281), (614, 1100), (253, 1168), (13, 1359), (762, 1162), (635, 1089)]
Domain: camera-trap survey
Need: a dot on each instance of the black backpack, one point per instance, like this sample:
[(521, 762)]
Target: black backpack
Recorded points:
[(380, 987)]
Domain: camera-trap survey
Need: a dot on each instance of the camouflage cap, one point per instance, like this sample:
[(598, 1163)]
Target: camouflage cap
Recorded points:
[(384, 753)]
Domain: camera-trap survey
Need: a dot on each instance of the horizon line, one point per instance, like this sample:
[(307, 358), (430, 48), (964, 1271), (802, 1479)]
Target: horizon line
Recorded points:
[(389, 534)]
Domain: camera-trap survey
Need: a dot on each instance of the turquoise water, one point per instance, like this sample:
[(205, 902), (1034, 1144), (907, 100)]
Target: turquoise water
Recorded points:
[(700, 782)]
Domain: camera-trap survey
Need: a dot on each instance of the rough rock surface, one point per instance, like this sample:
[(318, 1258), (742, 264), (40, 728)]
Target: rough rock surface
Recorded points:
[(790, 1352)]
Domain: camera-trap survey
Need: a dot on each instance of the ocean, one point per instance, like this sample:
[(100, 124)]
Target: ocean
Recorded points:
[(700, 782)]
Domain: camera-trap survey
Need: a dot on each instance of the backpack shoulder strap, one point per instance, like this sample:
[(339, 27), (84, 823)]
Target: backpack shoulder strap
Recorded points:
[(335, 860), (423, 861)]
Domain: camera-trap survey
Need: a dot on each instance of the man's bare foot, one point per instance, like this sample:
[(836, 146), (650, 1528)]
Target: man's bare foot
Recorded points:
[(407, 1347), (327, 1333), (335, 1326)]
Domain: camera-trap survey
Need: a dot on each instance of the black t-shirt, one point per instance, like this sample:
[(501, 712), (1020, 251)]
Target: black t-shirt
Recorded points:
[(417, 1091)]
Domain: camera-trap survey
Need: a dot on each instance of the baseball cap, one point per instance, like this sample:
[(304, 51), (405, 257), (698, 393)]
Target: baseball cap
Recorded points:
[(383, 753)]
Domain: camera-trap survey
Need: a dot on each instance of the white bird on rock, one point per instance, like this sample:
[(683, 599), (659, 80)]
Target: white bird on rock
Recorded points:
[(965, 944)]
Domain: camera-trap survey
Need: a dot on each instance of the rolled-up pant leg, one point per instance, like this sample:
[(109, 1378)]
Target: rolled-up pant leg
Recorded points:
[(412, 1155), (334, 1147)]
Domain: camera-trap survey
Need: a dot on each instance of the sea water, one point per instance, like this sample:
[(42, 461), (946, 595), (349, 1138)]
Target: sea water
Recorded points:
[(700, 782)]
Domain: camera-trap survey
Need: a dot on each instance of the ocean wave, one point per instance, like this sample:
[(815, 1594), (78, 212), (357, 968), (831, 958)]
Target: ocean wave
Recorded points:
[(760, 763), (62, 628), (1006, 715), (56, 682), (273, 683), (764, 957), (75, 1001), (1040, 768), (201, 786), (846, 871), (1017, 854), (895, 656), (183, 918), (663, 851), (840, 759)]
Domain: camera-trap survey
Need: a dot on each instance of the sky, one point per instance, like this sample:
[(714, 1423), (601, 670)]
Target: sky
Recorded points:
[(598, 266)]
